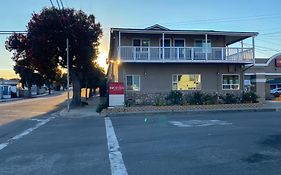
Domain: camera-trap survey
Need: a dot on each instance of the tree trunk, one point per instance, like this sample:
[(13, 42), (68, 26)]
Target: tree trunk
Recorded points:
[(76, 98), (91, 92), (86, 88), (29, 92), (37, 90)]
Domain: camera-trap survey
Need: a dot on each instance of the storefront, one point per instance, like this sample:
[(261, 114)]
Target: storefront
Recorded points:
[(264, 76)]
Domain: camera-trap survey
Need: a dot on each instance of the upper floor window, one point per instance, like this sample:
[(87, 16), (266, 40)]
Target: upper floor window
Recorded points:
[(207, 47), (141, 42)]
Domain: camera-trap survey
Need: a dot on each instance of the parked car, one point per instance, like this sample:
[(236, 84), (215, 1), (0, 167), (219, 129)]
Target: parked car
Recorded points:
[(276, 92)]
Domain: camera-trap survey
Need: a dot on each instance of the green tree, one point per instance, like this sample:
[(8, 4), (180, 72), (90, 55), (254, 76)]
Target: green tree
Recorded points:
[(46, 41), (17, 43)]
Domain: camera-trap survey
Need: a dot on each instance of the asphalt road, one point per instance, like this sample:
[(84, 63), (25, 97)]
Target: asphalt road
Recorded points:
[(28, 108), (181, 143)]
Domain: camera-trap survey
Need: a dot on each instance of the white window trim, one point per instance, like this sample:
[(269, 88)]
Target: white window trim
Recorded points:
[(200, 87), (133, 81), (230, 84)]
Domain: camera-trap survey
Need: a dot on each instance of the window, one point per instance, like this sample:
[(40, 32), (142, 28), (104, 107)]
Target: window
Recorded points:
[(139, 43), (186, 82), (202, 43), (133, 82), (230, 82), (141, 48)]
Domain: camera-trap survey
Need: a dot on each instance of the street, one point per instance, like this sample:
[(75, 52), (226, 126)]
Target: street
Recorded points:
[(23, 109), (170, 143)]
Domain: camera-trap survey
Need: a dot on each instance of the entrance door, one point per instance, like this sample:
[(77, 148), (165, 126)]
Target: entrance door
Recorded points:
[(179, 44), (167, 48)]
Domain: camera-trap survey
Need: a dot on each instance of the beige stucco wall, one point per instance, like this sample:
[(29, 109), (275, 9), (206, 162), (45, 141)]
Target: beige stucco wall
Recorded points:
[(157, 77), (127, 39)]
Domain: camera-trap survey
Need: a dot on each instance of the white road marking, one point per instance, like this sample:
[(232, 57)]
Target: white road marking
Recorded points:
[(3, 145), (26, 132), (199, 123), (115, 156)]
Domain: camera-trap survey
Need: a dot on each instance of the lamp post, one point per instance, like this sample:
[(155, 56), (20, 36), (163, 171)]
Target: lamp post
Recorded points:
[(67, 61)]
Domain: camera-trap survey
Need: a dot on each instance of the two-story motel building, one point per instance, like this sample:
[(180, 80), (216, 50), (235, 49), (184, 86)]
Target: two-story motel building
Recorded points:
[(153, 61)]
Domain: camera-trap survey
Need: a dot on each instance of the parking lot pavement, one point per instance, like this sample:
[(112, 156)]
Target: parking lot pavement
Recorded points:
[(171, 143), (220, 143), (62, 146)]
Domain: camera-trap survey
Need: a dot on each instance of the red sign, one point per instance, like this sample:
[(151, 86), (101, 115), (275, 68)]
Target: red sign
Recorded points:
[(116, 88), (278, 62)]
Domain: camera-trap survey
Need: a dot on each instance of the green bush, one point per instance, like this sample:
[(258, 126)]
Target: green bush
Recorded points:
[(199, 98), (100, 107), (159, 102), (230, 98), (209, 99), (175, 98), (196, 98), (249, 97)]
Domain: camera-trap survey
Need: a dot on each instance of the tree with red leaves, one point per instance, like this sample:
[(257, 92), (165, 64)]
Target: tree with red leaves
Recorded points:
[(45, 44)]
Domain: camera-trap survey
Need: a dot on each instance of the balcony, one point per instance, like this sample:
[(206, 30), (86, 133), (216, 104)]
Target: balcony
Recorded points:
[(186, 54)]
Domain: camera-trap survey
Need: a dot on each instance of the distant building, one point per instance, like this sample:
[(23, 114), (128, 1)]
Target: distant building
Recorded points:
[(153, 61), (8, 89), (264, 76)]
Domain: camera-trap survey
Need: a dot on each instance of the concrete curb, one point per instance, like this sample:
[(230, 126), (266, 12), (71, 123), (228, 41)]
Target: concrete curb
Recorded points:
[(198, 112), (73, 114)]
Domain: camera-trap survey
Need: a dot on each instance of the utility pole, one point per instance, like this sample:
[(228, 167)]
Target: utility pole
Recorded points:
[(67, 61)]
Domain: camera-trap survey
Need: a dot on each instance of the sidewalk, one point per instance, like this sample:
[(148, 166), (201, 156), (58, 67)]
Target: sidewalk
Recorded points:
[(90, 110), (246, 107), (85, 111)]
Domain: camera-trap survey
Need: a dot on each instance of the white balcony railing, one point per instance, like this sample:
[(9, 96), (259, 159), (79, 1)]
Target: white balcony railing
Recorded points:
[(186, 54)]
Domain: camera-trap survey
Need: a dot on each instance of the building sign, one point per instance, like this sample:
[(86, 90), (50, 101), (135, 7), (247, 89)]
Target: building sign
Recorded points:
[(116, 88), (116, 94), (278, 62)]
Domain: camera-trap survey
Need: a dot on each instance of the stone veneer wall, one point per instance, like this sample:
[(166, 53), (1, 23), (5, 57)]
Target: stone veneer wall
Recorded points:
[(151, 98), (145, 98)]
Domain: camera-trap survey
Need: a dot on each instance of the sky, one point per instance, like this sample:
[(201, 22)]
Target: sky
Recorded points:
[(263, 16)]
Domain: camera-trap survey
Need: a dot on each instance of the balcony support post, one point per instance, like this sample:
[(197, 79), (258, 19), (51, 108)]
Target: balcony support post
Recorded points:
[(119, 45), (253, 50), (242, 50), (163, 42), (206, 42)]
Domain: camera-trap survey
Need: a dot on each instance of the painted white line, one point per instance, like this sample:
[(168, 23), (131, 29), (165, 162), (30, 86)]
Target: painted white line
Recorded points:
[(199, 123), (26, 132), (3, 145), (115, 156)]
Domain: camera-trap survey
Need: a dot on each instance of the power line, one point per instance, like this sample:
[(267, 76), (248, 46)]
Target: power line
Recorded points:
[(58, 4), (9, 32)]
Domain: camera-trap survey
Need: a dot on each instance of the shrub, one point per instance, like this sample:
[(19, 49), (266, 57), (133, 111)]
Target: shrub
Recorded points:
[(209, 99), (196, 98), (175, 97), (230, 98), (249, 97), (159, 102), (100, 107)]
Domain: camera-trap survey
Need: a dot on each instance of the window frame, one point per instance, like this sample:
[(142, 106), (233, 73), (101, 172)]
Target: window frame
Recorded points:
[(200, 86), (126, 78), (222, 84)]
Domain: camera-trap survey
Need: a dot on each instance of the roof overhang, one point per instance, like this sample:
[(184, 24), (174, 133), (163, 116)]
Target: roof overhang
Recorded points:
[(230, 36)]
